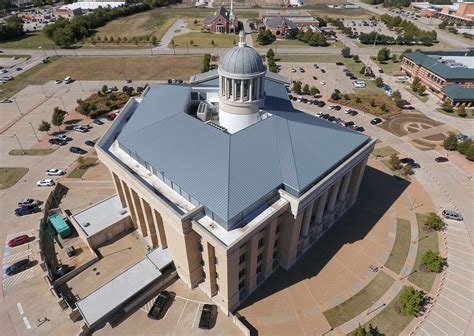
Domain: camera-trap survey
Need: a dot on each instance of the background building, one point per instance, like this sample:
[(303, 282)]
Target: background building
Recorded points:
[(228, 178), (448, 74), (285, 24), (221, 21)]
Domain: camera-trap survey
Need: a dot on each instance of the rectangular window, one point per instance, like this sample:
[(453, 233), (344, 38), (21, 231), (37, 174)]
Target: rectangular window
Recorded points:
[(241, 285), (215, 260), (242, 259), (259, 269), (217, 275), (260, 257), (201, 248), (202, 262), (241, 273), (260, 242)]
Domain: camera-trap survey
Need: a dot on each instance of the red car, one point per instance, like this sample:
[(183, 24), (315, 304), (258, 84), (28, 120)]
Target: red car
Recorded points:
[(111, 116), (18, 240)]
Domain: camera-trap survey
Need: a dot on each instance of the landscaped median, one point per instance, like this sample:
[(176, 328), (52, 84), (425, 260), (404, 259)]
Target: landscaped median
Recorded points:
[(34, 151), (360, 302), (9, 176), (83, 164), (399, 252)]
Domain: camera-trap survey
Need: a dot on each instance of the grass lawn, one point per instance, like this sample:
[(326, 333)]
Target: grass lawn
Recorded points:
[(399, 252), (427, 240), (365, 104), (308, 58), (423, 98), (203, 40), (29, 41), (9, 176), (323, 10), (389, 321), (470, 113), (42, 151), (384, 151), (359, 302), (389, 67), (81, 169), (194, 26)]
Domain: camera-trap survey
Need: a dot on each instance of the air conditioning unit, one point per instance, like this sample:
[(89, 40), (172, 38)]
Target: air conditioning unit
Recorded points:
[(203, 111)]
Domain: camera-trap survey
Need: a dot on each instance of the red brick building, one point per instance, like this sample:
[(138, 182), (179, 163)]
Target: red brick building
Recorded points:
[(221, 21)]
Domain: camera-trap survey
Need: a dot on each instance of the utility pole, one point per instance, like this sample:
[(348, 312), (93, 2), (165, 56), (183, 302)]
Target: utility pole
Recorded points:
[(17, 106), (19, 143), (34, 131)]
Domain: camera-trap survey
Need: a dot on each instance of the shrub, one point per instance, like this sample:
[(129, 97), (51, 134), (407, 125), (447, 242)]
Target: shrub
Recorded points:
[(297, 87), (464, 146), (433, 221), (461, 111), (346, 52), (450, 143), (433, 261), (411, 301), (335, 96), (306, 89), (446, 106), (470, 153), (395, 161)]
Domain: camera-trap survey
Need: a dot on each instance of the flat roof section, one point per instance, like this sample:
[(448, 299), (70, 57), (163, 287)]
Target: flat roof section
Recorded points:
[(95, 307), (101, 215)]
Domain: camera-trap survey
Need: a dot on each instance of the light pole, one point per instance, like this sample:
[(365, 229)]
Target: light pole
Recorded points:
[(34, 131), (62, 101), (19, 143), (376, 34), (17, 106), (44, 51)]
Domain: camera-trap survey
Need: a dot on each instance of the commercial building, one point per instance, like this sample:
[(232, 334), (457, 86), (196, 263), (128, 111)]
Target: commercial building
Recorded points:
[(459, 12), (91, 5), (448, 74), (222, 21), (227, 177), (285, 24)]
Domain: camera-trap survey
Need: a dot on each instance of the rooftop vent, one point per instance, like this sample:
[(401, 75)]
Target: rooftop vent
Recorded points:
[(203, 111), (86, 224), (123, 212), (217, 126)]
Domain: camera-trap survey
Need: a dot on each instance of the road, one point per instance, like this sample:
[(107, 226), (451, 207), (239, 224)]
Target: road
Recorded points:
[(443, 36)]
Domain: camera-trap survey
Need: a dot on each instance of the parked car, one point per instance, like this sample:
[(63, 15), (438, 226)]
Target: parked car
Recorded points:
[(322, 83), (158, 307), (19, 240), (68, 80), (359, 129), (315, 78), (61, 271), (359, 84), (63, 137), (353, 113), (45, 183), (56, 141), (349, 123), (376, 121), (26, 210), (339, 63), (6, 100), (440, 159), (406, 160), (316, 66), (90, 143), (28, 201), (208, 316), (58, 81), (319, 114), (450, 214), (17, 267), (77, 150), (98, 122), (323, 71), (111, 116), (54, 172), (80, 129)]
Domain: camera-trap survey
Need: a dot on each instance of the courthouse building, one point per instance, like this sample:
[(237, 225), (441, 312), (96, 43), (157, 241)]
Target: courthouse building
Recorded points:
[(228, 177)]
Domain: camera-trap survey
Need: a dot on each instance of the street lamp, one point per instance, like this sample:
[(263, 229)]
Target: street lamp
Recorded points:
[(19, 143), (17, 106), (34, 131), (44, 51)]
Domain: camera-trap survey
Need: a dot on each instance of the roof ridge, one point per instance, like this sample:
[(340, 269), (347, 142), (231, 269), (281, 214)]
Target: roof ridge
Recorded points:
[(228, 179), (292, 152)]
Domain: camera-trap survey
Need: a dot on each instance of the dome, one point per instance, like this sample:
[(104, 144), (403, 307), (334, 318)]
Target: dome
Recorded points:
[(242, 60)]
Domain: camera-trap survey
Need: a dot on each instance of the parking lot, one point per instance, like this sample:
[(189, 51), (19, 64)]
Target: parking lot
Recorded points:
[(367, 26)]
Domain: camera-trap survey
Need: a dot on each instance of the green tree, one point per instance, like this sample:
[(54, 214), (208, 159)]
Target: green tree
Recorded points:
[(58, 117), (346, 52), (356, 58), (335, 95), (411, 301), (421, 89), (104, 88), (415, 84), (470, 153), (395, 162), (407, 170), (461, 111), (433, 261), (313, 90), (433, 221), (44, 126), (360, 331), (306, 89), (394, 58), (372, 102), (362, 70), (358, 99), (446, 106), (383, 55), (270, 53), (379, 81), (464, 146), (152, 40), (191, 42), (297, 87), (396, 95), (450, 143)]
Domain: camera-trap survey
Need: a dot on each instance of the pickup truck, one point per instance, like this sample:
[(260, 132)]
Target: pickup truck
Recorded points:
[(159, 305)]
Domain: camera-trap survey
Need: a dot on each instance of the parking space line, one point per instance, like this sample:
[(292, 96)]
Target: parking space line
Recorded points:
[(16, 279), (19, 255), (450, 312), (431, 323), (182, 312), (15, 234), (444, 296), (442, 318), (195, 315), (457, 284), (20, 308)]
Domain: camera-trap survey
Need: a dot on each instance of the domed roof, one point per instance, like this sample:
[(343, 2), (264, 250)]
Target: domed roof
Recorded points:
[(242, 60)]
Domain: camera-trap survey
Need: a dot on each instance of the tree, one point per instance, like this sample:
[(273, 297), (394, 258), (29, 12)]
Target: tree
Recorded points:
[(394, 58), (470, 153), (450, 143), (395, 161), (383, 107), (335, 95), (313, 90), (446, 106), (396, 95), (44, 126), (464, 146), (411, 301), (383, 55), (346, 52), (415, 84), (270, 53), (356, 58), (297, 87), (58, 117), (360, 331), (152, 40), (358, 99), (379, 81), (372, 102), (346, 97), (172, 43), (461, 111), (433, 261), (434, 222), (362, 70), (191, 42), (421, 89), (407, 170), (306, 89), (104, 88)]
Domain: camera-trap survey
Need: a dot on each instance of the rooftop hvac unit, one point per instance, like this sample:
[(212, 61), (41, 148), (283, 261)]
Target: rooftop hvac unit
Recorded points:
[(203, 111)]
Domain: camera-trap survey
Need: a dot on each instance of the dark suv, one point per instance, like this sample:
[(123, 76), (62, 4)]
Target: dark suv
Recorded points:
[(17, 267), (159, 305), (26, 210), (208, 316), (77, 150)]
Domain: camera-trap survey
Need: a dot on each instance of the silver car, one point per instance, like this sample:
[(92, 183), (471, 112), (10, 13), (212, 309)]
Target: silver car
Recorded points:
[(450, 214)]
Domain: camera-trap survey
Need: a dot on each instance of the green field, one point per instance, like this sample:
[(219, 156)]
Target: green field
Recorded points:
[(29, 41), (360, 302), (427, 240), (9, 176), (389, 67), (204, 40), (81, 169), (399, 252)]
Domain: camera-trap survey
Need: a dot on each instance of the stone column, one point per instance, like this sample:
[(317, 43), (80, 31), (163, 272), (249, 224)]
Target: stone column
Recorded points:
[(251, 90), (252, 254), (333, 196), (139, 213), (357, 179), (307, 220), (128, 199), (118, 187), (242, 89), (270, 234), (158, 222), (345, 186), (234, 91), (321, 205), (149, 222)]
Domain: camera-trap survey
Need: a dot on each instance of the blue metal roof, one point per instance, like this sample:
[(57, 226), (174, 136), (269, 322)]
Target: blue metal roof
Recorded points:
[(228, 173)]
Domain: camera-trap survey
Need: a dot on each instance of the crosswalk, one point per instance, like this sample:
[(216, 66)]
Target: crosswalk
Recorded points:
[(17, 256), (10, 281)]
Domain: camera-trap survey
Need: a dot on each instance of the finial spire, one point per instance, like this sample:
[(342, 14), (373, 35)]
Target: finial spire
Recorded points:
[(242, 39)]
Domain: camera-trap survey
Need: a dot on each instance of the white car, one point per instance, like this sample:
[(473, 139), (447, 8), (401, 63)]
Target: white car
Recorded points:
[(6, 100), (54, 172), (58, 81), (45, 183), (359, 84), (323, 83), (81, 128), (319, 114), (293, 70)]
